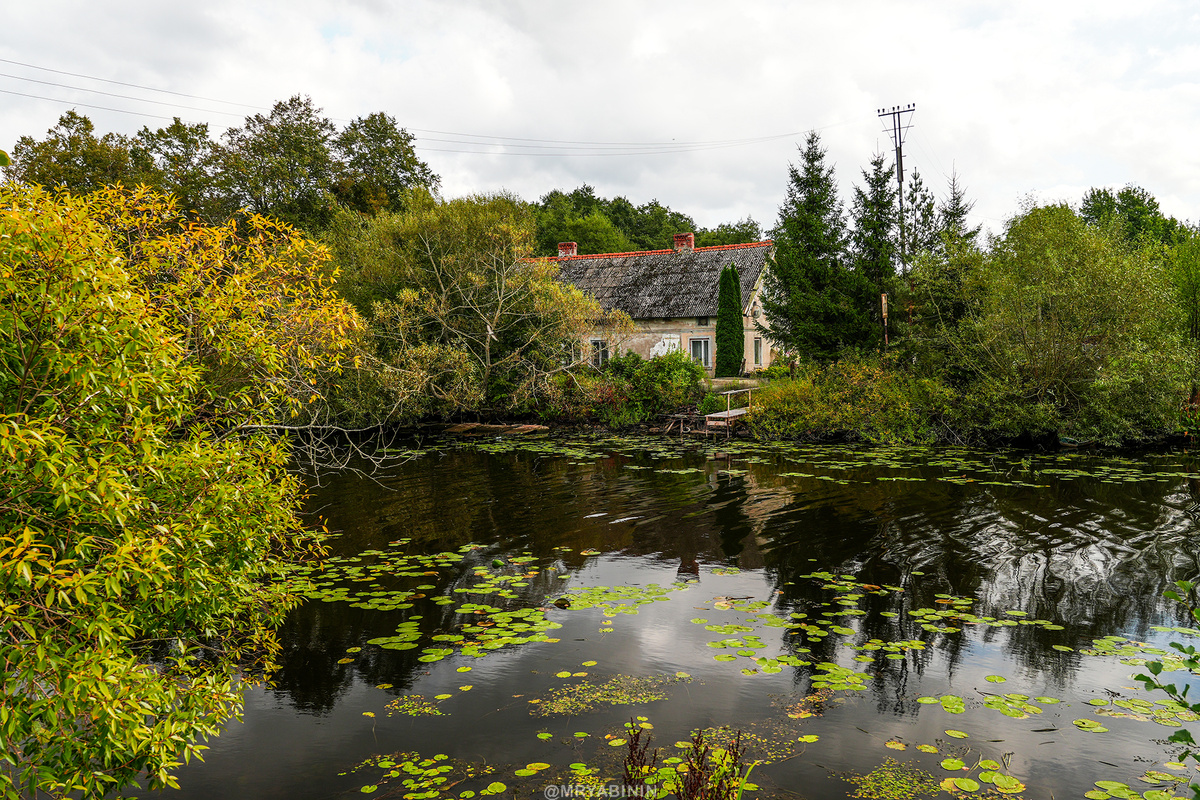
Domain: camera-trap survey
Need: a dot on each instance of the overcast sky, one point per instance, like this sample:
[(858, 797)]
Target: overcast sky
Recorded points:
[(698, 104)]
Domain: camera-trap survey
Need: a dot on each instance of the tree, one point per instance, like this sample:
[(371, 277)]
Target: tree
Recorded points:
[(282, 164), (463, 317), (730, 332), (873, 240), (141, 546), (810, 299), (377, 164), (655, 226), (953, 213), (921, 231), (1134, 211), (1183, 263), (746, 230), (184, 161), (1072, 332), (577, 217), (72, 157)]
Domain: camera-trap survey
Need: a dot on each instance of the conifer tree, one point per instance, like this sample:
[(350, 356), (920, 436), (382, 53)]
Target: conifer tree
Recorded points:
[(954, 211), (873, 239), (873, 245), (921, 231), (806, 301), (730, 335)]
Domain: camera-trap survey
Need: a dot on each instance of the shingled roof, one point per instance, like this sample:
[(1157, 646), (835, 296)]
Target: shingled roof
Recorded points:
[(665, 283)]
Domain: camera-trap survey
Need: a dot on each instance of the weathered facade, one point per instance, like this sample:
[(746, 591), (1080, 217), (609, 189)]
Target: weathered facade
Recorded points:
[(672, 296)]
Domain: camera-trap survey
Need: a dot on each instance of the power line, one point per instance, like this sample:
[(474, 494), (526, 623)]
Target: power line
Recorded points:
[(607, 144), (86, 105), (122, 83), (575, 147), (121, 96)]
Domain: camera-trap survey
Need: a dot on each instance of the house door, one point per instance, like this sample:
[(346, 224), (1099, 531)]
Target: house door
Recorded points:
[(700, 352)]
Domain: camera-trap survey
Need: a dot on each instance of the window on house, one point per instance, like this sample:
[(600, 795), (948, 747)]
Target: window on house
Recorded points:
[(701, 352), (757, 352), (572, 353), (599, 353), (701, 322)]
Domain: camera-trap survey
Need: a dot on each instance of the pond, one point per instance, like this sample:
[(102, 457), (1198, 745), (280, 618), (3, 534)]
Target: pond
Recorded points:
[(870, 620)]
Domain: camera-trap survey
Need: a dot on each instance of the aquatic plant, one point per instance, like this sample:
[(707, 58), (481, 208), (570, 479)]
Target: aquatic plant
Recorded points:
[(620, 690), (893, 780)]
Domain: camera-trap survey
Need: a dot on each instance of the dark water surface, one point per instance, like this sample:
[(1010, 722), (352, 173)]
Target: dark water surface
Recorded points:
[(1025, 561)]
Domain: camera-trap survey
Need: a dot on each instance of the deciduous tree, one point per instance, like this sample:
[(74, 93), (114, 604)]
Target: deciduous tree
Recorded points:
[(73, 157), (456, 285), (141, 544), (185, 162), (376, 164), (1072, 332), (282, 164)]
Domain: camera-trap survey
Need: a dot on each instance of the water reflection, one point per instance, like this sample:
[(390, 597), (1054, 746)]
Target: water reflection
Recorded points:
[(1088, 553)]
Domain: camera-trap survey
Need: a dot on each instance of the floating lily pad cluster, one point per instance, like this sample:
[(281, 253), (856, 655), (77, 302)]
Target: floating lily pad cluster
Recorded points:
[(429, 777), (491, 631), (479, 627), (1122, 791), (413, 705), (837, 464), (619, 599), (619, 690)]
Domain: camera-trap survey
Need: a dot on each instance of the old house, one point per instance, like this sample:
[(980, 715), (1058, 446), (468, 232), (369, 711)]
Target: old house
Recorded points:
[(672, 296)]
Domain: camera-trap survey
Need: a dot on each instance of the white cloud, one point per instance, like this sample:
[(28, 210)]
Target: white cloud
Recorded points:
[(1019, 97)]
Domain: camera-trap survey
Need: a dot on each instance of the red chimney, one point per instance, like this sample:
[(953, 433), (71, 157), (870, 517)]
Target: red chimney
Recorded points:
[(685, 242), (567, 249)]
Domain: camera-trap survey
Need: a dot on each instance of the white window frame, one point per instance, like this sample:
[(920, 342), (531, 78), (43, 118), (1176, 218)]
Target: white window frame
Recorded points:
[(599, 356), (706, 349), (758, 351)]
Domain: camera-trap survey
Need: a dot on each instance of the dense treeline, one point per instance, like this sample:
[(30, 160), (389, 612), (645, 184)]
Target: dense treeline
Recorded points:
[(1072, 323), (599, 225), (459, 316), (297, 166)]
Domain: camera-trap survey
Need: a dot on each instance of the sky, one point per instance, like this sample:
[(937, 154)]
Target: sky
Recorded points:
[(701, 105)]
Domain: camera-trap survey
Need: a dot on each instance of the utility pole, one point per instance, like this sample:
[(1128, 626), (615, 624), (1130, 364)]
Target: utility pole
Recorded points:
[(898, 129)]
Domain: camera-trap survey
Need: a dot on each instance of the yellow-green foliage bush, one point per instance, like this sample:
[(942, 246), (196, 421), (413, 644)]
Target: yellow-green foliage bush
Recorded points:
[(862, 398), (141, 534)]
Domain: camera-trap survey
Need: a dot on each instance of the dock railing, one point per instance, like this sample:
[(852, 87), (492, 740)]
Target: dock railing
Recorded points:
[(729, 417)]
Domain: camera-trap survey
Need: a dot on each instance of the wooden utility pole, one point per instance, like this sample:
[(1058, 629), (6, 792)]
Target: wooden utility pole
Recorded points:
[(898, 129), (883, 305)]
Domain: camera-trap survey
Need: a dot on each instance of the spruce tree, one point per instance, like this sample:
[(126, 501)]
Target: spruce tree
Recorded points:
[(953, 213), (730, 335), (874, 246), (921, 231), (873, 239), (805, 300)]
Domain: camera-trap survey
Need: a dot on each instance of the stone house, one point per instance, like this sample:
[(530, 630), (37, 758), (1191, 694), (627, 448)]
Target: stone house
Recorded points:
[(672, 296)]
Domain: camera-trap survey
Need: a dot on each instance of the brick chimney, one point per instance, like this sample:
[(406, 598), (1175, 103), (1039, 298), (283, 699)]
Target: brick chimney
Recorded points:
[(567, 249), (685, 242)]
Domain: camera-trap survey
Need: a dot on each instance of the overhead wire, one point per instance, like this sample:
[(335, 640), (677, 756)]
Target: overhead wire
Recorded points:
[(121, 96), (122, 83), (513, 145)]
